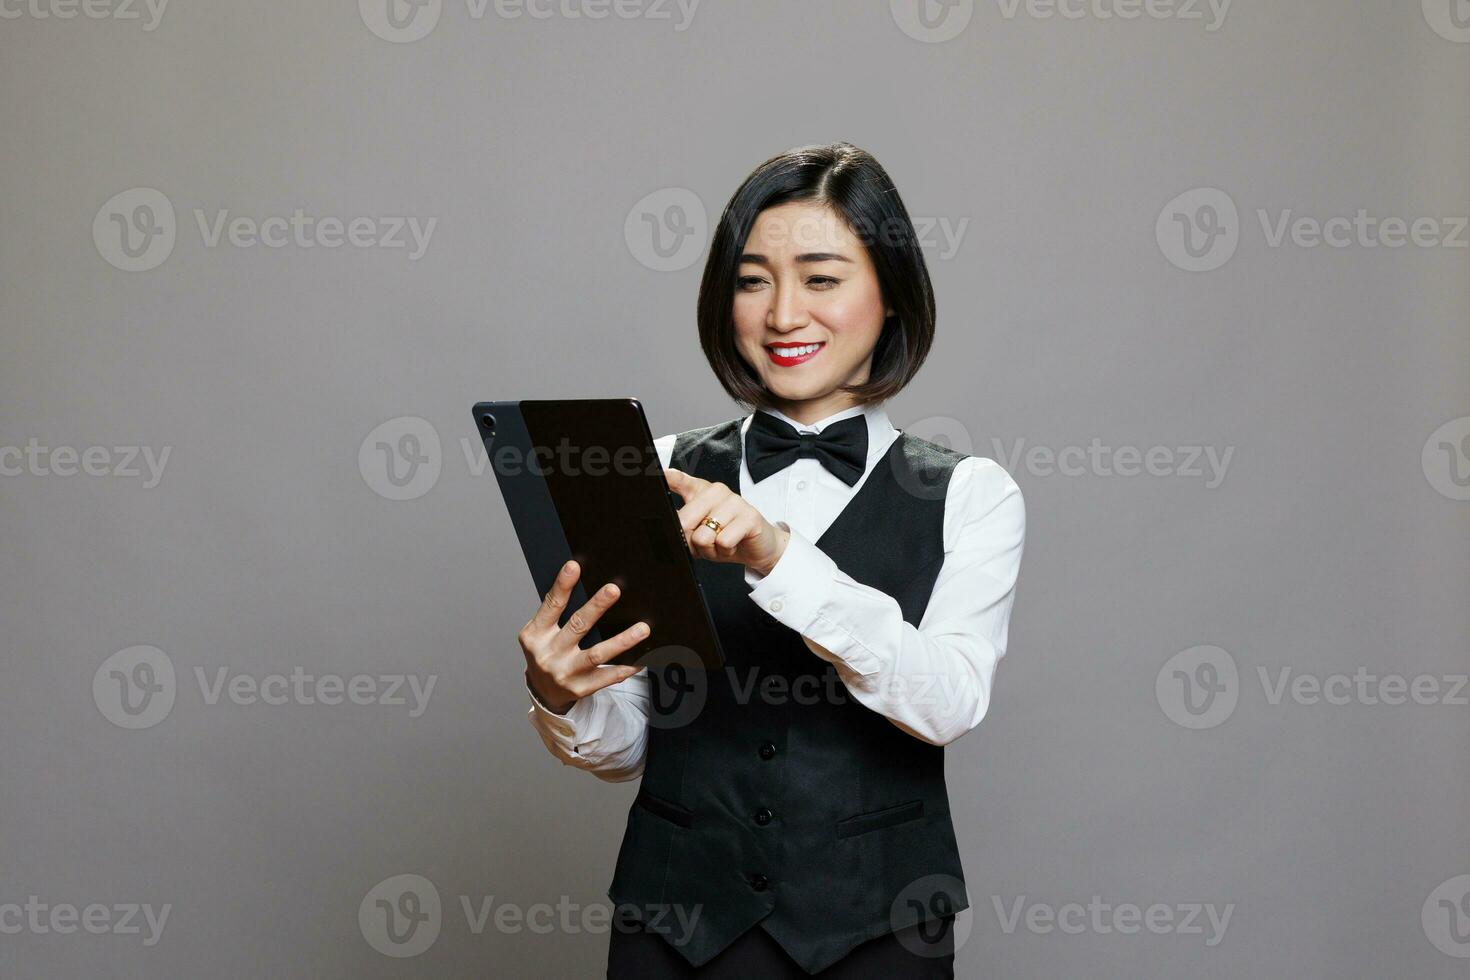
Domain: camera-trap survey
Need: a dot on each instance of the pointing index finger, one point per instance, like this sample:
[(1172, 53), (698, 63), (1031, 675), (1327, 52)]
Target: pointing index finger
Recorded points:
[(684, 484)]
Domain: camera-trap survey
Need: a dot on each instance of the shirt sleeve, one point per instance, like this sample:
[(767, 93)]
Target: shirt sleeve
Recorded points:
[(605, 733), (933, 681)]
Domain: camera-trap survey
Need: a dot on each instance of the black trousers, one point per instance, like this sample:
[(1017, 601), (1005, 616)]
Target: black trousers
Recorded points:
[(641, 955)]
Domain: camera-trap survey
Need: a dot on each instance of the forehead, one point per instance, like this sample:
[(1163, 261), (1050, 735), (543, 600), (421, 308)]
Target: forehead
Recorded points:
[(800, 226)]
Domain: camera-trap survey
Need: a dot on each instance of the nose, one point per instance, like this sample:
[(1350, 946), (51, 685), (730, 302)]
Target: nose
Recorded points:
[(787, 311)]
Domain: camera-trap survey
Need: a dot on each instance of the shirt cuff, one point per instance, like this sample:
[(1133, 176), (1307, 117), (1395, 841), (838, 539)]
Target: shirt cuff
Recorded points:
[(752, 577), (563, 728), (801, 592)]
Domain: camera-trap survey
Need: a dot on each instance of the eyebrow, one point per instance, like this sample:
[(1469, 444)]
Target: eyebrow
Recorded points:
[(804, 257)]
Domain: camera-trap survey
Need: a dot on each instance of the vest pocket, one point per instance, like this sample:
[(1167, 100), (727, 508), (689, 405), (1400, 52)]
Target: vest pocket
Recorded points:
[(672, 812), (878, 819)]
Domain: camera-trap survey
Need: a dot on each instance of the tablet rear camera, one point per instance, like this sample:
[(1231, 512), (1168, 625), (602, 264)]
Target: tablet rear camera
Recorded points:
[(488, 421)]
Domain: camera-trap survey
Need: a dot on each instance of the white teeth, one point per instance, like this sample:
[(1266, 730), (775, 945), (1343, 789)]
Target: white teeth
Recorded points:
[(795, 351)]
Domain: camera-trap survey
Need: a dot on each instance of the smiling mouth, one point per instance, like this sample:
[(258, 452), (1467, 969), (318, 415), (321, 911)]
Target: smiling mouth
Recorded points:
[(787, 355)]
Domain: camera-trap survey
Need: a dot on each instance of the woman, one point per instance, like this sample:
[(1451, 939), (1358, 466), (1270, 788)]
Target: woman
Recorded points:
[(792, 818)]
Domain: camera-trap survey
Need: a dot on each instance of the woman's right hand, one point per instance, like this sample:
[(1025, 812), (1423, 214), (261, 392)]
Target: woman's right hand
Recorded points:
[(559, 671)]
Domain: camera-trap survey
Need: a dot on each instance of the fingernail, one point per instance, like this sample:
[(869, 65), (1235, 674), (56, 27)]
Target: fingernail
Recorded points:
[(641, 629)]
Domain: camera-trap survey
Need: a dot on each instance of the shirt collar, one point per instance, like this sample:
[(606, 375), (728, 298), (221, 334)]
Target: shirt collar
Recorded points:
[(880, 427)]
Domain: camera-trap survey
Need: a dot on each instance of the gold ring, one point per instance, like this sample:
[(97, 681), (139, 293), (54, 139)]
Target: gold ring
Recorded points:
[(712, 524)]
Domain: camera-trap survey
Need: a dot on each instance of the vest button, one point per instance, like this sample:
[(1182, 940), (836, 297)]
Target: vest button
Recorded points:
[(763, 816), (768, 750), (759, 882)]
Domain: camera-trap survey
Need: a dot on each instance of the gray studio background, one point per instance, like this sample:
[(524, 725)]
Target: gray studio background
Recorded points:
[(1065, 156)]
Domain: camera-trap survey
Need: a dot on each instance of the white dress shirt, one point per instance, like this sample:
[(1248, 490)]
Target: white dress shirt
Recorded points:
[(933, 681)]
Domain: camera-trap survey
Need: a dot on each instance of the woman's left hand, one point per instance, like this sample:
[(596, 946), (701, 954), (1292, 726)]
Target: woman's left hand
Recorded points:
[(745, 538)]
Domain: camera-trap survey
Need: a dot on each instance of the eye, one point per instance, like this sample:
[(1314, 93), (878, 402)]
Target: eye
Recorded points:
[(822, 282), (749, 282)]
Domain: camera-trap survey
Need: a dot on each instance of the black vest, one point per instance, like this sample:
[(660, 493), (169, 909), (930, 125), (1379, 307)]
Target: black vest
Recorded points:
[(769, 794)]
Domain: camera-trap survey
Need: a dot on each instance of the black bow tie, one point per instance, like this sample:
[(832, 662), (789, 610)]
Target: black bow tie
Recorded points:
[(771, 445)]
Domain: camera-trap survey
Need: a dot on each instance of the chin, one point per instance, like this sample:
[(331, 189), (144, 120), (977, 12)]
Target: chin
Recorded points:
[(797, 393)]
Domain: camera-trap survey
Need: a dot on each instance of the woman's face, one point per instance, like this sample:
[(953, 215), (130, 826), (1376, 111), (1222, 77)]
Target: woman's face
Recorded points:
[(805, 279)]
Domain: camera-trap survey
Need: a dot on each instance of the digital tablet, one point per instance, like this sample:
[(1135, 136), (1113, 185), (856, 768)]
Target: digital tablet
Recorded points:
[(581, 480)]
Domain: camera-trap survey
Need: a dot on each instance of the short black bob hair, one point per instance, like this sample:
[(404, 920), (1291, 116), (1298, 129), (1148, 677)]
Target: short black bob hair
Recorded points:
[(852, 183)]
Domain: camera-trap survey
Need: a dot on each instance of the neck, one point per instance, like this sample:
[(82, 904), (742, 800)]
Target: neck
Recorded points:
[(814, 409)]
